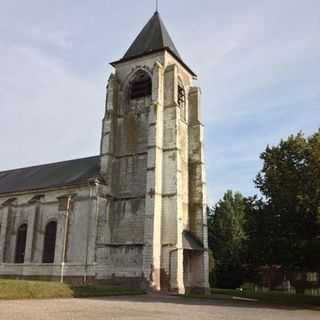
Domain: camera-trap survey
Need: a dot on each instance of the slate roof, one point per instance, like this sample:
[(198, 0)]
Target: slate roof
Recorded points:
[(66, 173), (154, 37), (191, 242)]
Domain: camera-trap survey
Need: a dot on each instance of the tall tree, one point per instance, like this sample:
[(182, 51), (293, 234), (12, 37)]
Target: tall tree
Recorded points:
[(290, 182), (262, 231), (226, 239)]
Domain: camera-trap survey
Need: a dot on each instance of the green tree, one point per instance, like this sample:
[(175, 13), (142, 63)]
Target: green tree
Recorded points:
[(262, 243), (290, 183), (259, 237), (226, 239)]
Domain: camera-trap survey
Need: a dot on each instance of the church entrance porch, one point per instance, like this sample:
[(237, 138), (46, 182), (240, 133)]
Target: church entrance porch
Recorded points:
[(192, 271), (186, 267), (193, 263)]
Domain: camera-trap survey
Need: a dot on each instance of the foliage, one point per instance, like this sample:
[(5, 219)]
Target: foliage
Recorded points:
[(262, 229), (280, 230), (248, 286), (226, 239), (290, 182), (212, 276)]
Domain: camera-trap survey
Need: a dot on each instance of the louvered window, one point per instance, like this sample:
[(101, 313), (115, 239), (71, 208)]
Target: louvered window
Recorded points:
[(182, 101), (141, 86)]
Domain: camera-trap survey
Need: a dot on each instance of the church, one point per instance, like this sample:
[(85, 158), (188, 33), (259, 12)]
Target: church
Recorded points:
[(134, 215)]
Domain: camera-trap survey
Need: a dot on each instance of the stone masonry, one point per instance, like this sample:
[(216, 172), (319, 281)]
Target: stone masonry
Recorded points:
[(139, 219)]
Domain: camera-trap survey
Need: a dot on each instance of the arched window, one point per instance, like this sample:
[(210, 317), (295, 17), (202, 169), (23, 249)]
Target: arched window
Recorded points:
[(49, 242), (182, 101), (21, 243), (140, 86)]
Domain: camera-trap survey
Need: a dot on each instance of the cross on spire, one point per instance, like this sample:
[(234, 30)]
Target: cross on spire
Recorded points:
[(157, 5)]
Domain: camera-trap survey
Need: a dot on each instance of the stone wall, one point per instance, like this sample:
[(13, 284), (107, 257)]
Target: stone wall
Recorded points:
[(37, 210), (132, 226), (152, 161)]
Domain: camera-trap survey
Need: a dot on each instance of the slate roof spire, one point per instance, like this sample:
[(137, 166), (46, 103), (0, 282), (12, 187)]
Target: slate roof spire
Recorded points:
[(154, 37)]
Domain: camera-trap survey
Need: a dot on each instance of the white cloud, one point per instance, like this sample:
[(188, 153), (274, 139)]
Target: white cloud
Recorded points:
[(46, 111), (258, 63)]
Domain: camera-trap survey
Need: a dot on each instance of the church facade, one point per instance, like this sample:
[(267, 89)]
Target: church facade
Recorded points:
[(135, 215)]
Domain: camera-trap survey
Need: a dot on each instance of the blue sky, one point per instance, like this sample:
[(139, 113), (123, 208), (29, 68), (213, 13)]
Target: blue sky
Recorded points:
[(257, 61)]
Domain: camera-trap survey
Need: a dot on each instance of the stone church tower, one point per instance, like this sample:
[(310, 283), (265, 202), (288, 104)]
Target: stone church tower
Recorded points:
[(135, 215), (152, 162)]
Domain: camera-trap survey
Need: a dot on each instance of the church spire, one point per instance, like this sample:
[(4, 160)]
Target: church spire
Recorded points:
[(154, 37)]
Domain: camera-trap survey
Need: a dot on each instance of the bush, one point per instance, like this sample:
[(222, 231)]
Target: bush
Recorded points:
[(248, 286), (228, 276)]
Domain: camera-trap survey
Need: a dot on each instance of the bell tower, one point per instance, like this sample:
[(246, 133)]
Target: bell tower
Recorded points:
[(154, 225)]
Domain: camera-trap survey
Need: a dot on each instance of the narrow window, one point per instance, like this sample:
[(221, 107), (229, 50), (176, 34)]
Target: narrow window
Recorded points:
[(141, 86), (49, 242), (182, 101), (21, 243), (312, 277)]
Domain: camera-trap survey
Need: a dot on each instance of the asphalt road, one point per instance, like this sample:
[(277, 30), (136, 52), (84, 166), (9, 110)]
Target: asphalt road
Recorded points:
[(146, 307)]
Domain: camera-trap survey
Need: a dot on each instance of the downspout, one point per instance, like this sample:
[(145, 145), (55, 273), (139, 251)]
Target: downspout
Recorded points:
[(66, 227)]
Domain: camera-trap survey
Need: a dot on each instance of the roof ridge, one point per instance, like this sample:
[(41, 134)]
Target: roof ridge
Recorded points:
[(161, 28), (165, 32)]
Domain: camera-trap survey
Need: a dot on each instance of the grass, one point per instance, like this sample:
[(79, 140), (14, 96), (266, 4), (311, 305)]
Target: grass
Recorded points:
[(100, 291), (272, 297), (20, 289)]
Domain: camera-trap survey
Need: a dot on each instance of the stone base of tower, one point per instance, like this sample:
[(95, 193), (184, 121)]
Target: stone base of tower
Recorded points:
[(193, 277), (195, 272)]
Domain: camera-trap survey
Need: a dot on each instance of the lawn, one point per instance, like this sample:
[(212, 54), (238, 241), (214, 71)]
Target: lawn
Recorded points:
[(20, 289), (100, 291)]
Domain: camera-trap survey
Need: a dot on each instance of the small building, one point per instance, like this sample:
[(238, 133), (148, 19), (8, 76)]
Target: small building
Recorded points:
[(136, 213)]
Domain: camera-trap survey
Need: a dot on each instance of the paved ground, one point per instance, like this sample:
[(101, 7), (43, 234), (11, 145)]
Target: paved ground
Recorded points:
[(146, 307)]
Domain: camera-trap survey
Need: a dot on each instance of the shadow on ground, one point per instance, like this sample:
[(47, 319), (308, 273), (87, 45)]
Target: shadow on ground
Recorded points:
[(226, 302)]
